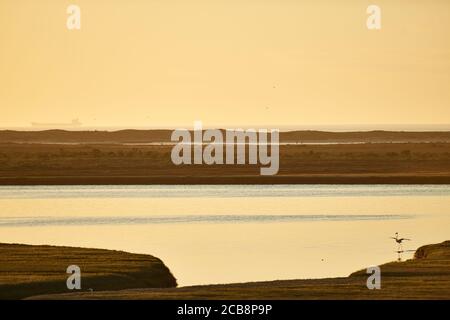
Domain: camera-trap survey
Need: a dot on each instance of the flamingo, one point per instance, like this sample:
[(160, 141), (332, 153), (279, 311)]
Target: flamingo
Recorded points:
[(399, 241)]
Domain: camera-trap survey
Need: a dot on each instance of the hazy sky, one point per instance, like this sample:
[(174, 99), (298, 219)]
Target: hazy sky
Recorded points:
[(225, 62)]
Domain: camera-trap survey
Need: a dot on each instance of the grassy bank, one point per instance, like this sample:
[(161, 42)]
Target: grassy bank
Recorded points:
[(427, 276), (53, 164), (30, 270)]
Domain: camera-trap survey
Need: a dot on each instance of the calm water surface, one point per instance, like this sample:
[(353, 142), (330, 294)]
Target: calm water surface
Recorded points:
[(221, 234)]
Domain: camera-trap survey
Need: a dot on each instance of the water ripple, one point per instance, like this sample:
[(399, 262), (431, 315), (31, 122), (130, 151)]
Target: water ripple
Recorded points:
[(172, 219)]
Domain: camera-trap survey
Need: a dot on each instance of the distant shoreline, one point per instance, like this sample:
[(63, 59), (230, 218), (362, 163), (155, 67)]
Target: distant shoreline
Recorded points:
[(283, 128), (60, 160), (164, 135)]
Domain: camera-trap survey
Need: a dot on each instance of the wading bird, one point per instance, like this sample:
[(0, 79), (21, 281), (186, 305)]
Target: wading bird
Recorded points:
[(399, 241)]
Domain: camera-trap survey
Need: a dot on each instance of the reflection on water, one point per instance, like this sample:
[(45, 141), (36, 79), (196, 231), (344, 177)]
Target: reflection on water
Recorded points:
[(219, 234)]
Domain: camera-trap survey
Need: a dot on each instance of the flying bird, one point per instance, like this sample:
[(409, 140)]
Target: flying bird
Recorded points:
[(399, 240)]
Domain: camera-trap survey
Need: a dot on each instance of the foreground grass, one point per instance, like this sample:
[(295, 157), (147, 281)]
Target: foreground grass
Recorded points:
[(30, 270), (427, 276)]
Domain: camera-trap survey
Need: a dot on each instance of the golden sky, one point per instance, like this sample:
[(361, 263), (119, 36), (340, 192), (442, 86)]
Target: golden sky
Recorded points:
[(224, 62)]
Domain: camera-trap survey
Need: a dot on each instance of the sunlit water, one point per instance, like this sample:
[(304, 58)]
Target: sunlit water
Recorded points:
[(222, 234)]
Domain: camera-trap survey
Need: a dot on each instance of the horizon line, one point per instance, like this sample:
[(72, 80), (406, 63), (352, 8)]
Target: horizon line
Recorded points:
[(282, 128)]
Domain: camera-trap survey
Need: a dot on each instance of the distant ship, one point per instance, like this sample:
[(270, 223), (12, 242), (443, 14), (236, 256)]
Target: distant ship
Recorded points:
[(73, 123)]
